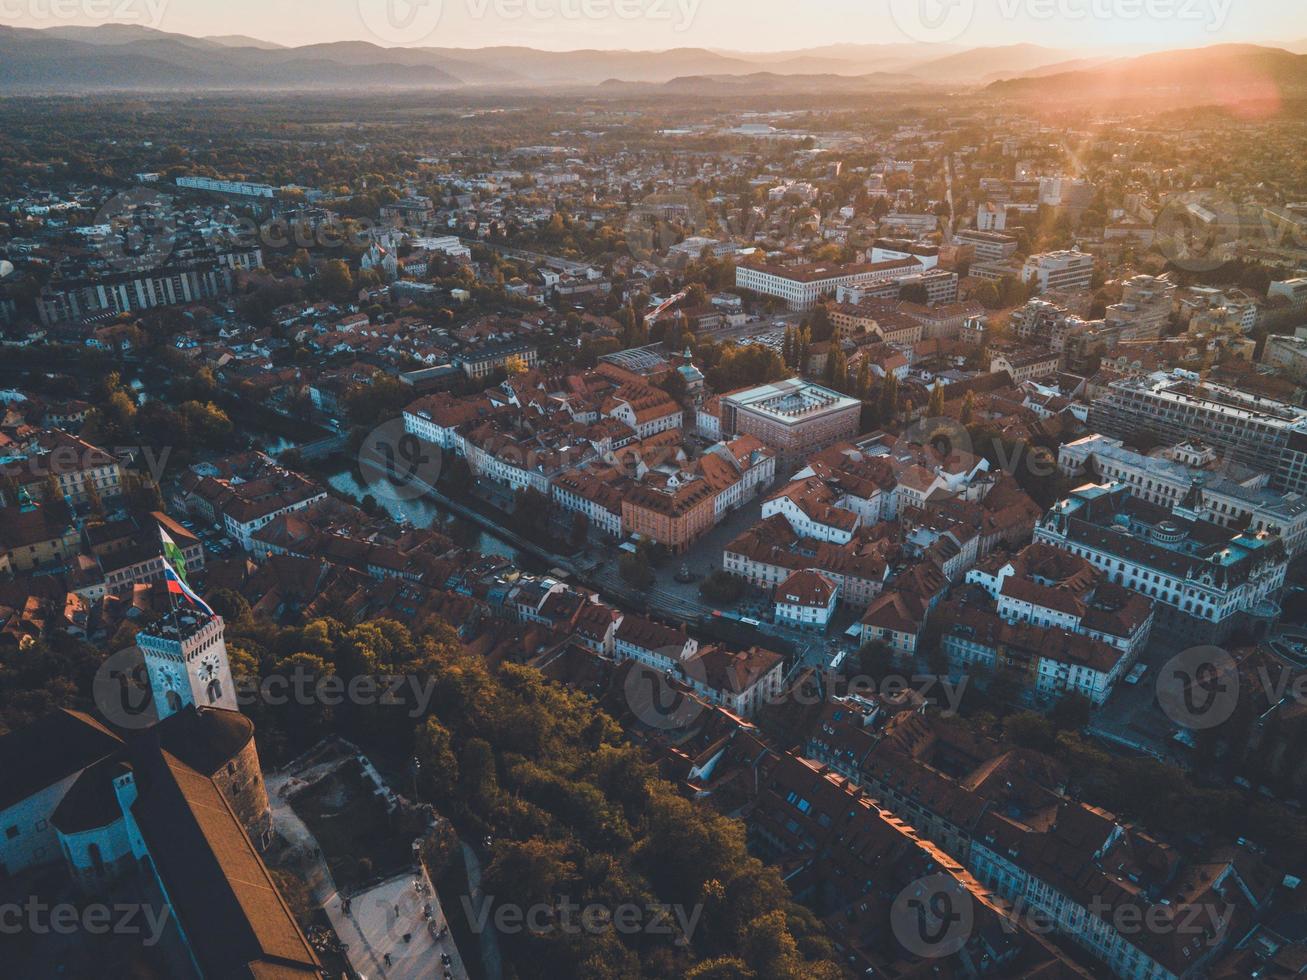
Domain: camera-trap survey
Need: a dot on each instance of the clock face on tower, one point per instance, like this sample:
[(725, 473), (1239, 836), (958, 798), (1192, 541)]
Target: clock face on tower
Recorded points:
[(172, 679), (209, 667)]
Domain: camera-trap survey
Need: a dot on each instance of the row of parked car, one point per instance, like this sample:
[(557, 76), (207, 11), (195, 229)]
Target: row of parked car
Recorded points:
[(216, 544)]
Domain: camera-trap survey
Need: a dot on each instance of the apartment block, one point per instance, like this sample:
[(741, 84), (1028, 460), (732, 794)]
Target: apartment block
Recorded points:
[(1065, 270), (1256, 432)]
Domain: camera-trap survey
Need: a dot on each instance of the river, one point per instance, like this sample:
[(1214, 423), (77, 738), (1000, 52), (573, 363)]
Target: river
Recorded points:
[(423, 513)]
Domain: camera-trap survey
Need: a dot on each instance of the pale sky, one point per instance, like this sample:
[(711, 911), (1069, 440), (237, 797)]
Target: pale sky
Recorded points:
[(746, 25)]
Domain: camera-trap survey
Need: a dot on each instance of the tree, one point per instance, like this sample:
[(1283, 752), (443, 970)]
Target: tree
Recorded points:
[(722, 968), (820, 327), (636, 570), (141, 493), (988, 295), (114, 420), (914, 292), (229, 604), (1071, 713), (875, 660), (723, 588), (580, 530), (862, 386), (889, 398), (837, 368), (206, 424), (770, 949), (968, 407), (635, 331), (935, 409), (437, 762), (336, 280), (676, 387), (1030, 731), (478, 775), (53, 500), (803, 349)]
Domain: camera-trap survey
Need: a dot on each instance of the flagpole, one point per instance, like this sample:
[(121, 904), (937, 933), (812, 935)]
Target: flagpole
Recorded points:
[(163, 557), (172, 605)]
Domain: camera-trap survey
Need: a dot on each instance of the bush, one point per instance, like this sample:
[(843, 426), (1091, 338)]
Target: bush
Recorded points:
[(636, 570), (723, 588)]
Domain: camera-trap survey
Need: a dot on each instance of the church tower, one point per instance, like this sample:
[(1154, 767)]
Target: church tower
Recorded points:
[(186, 658)]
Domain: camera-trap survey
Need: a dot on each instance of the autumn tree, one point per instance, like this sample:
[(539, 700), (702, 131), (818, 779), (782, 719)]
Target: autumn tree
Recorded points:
[(820, 326), (889, 398), (935, 409), (335, 279)]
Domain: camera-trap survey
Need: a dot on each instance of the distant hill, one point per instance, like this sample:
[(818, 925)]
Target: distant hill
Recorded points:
[(49, 61), (1221, 75), (769, 82), (988, 63), (1061, 67), (242, 41), (591, 67), (847, 59), (113, 34)]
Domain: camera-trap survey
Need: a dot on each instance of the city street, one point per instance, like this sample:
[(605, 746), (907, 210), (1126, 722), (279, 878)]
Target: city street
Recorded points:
[(1132, 718), (681, 600)]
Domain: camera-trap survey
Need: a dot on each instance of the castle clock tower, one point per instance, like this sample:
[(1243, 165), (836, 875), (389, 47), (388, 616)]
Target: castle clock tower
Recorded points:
[(186, 658)]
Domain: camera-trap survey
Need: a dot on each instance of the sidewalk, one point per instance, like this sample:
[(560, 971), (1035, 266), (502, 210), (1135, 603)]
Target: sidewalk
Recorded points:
[(304, 851), (388, 933), (491, 960)]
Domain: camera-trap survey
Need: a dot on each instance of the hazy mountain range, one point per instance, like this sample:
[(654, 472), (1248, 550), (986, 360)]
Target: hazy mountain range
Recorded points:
[(124, 56), (1224, 74), (129, 57)]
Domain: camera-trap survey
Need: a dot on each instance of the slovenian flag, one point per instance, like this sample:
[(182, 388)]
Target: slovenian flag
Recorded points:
[(174, 573), (172, 554)]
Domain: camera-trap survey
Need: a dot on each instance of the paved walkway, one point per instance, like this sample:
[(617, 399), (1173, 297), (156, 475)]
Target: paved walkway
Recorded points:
[(491, 959), (389, 935), (304, 852)]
